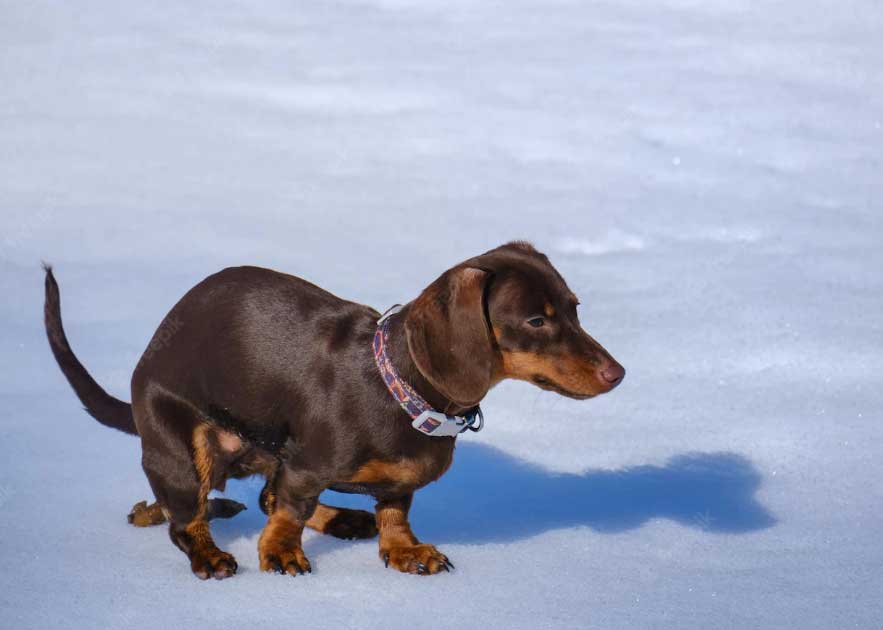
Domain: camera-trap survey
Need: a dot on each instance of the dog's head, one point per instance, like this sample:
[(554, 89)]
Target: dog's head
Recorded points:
[(505, 314)]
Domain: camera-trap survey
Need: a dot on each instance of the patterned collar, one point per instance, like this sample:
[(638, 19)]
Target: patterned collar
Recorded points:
[(425, 419)]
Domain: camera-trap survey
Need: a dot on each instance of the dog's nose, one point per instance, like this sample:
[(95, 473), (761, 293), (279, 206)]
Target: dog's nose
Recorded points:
[(613, 374)]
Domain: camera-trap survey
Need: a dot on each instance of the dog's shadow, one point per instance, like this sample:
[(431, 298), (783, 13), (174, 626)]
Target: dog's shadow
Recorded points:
[(489, 496)]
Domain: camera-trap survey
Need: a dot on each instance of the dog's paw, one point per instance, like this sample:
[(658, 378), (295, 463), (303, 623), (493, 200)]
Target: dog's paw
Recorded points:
[(350, 524), (292, 562), (213, 563), (143, 515), (419, 559)]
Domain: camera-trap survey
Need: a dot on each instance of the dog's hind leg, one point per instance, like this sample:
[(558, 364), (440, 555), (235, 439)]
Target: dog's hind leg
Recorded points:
[(343, 523), (177, 459), (143, 515)]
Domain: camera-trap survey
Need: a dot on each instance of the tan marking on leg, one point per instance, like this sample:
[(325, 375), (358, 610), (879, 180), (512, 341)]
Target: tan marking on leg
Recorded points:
[(206, 560), (322, 515), (202, 459), (143, 515), (342, 522), (399, 547), (271, 501), (229, 442), (393, 526), (200, 536), (279, 547)]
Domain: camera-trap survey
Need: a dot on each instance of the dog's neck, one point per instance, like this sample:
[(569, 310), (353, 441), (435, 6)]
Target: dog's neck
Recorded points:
[(400, 355)]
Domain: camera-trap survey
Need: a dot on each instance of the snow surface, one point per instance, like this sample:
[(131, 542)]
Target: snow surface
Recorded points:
[(707, 175)]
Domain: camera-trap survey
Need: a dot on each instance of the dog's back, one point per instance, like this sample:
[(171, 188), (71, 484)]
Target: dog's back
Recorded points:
[(246, 326)]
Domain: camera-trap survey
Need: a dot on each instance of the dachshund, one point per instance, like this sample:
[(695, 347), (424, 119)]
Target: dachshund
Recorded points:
[(256, 372)]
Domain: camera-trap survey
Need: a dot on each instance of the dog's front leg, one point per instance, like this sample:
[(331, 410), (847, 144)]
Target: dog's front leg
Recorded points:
[(279, 548), (399, 547)]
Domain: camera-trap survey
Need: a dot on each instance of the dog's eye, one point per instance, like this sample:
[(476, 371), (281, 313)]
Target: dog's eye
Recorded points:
[(536, 322)]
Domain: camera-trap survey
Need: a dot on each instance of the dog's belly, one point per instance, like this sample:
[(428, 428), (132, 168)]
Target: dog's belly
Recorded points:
[(373, 489)]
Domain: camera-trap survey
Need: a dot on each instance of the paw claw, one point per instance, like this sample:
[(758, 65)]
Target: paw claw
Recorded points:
[(421, 559), (291, 563)]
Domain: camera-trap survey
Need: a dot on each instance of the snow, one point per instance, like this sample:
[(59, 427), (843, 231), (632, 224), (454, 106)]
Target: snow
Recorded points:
[(706, 175)]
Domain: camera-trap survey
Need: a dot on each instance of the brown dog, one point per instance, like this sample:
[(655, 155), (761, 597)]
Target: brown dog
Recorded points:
[(259, 372)]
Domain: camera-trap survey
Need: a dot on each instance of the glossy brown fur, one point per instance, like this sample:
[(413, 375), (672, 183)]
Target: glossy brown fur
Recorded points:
[(268, 374)]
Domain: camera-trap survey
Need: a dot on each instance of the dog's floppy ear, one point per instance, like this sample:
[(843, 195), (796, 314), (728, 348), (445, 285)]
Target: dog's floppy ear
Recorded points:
[(448, 335)]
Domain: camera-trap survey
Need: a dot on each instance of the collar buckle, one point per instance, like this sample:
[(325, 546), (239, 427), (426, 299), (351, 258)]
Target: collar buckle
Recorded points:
[(438, 424), (475, 420)]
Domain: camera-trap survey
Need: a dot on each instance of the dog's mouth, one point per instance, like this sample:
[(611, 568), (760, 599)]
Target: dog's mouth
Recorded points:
[(543, 383)]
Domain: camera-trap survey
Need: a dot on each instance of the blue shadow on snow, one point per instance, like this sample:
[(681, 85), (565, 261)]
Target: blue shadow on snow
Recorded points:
[(489, 496)]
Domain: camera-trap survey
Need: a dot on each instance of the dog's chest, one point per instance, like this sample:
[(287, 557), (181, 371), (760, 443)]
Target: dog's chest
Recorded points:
[(383, 476)]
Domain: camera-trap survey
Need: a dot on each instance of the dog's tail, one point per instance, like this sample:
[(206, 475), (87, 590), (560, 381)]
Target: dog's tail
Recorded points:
[(108, 410)]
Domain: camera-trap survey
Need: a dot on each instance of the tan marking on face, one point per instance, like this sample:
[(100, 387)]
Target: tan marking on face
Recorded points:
[(563, 371), (525, 365), (549, 310)]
